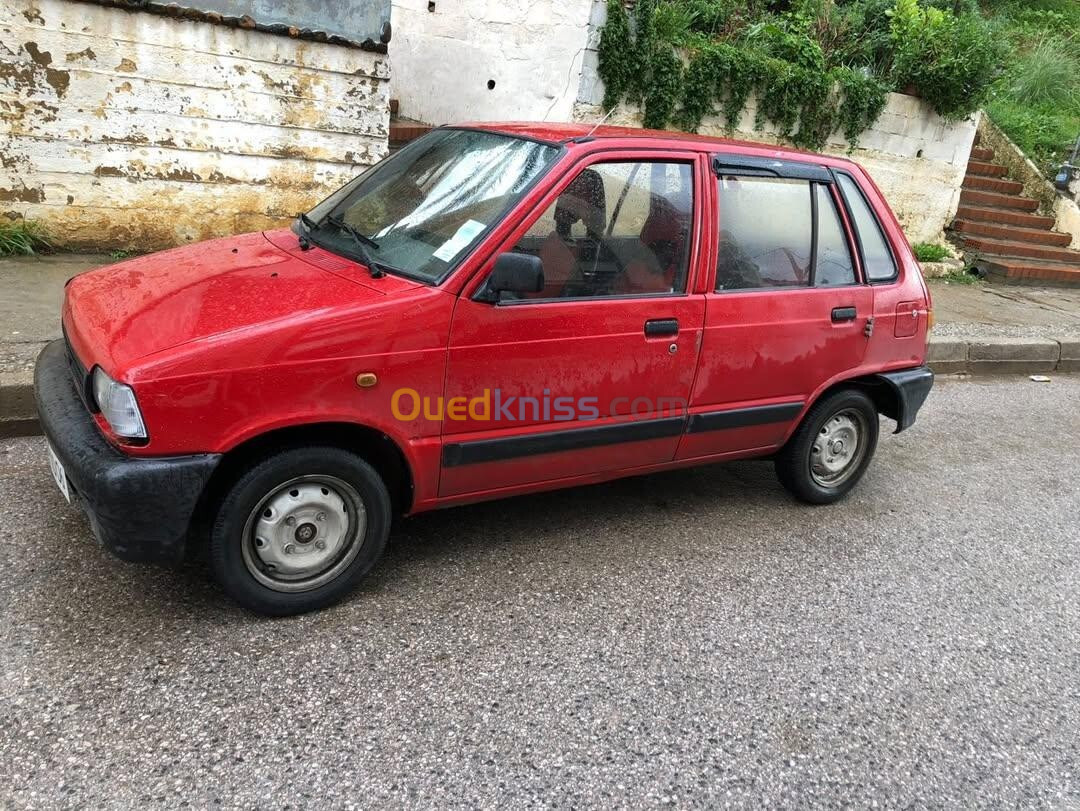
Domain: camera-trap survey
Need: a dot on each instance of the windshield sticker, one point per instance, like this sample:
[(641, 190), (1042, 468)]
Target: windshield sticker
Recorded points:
[(465, 234)]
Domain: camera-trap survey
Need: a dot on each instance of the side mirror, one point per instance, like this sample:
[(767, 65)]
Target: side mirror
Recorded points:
[(515, 273)]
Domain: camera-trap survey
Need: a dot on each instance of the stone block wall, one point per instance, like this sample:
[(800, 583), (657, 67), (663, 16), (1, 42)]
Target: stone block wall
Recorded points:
[(125, 129)]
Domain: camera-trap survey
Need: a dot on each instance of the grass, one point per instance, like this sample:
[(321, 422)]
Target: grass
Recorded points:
[(23, 238), (929, 252), (1036, 101), (959, 277)]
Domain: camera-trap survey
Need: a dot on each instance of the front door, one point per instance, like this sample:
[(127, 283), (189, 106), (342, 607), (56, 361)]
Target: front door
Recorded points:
[(788, 312), (593, 372)]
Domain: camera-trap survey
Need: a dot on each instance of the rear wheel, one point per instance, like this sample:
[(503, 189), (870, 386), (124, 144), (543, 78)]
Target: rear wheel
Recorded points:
[(300, 530), (831, 449)]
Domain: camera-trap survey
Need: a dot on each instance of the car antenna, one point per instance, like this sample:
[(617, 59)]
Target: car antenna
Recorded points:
[(583, 138)]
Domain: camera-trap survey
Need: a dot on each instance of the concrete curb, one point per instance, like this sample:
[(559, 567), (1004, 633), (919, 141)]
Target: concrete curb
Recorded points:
[(947, 355), (18, 414), (1004, 355)]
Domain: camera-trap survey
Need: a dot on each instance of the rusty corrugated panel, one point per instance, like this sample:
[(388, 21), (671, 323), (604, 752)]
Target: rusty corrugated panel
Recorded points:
[(353, 23)]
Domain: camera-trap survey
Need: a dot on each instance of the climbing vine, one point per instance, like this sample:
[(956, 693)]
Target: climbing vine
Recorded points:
[(685, 60)]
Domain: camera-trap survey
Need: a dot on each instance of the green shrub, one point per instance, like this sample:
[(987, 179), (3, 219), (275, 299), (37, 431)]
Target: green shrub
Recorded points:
[(930, 252), (949, 60), (22, 238)]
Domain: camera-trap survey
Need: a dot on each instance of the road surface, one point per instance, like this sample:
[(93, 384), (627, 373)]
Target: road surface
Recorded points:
[(694, 638)]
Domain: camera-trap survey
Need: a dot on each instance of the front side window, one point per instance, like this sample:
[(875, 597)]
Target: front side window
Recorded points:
[(877, 258), (420, 212), (617, 229), (766, 226)]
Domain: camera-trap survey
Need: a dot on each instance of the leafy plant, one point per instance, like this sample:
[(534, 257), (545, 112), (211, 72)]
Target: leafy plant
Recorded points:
[(950, 60), (930, 252), (23, 238)]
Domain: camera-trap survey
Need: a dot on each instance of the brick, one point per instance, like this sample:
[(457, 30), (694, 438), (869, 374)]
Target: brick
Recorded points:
[(994, 184), (1012, 232), (975, 197)]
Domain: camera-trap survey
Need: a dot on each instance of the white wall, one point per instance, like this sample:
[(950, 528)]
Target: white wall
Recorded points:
[(916, 157), (444, 59), (127, 129)]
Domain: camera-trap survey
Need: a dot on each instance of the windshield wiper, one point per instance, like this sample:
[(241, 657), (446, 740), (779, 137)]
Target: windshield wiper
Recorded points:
[(307, 225), (362, 242)]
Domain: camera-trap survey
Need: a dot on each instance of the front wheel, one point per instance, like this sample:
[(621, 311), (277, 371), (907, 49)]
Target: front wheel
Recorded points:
[(300, 530), (831, 448)]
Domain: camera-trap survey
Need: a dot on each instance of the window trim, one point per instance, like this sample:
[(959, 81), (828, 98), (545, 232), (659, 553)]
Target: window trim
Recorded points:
[(857, 236), (688, 159)]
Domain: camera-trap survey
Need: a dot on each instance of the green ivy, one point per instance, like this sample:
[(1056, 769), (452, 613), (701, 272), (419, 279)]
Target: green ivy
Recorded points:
[(685, 60)]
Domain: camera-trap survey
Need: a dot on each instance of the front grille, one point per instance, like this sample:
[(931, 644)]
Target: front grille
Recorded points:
[(79, 375)]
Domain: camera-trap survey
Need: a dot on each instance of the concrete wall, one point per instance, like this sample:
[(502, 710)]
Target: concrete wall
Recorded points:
[(916, 158), (129, 129), (444, 59)]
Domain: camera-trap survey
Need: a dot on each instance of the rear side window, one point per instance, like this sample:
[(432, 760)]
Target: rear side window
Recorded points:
[(766, 226), (877, 258)]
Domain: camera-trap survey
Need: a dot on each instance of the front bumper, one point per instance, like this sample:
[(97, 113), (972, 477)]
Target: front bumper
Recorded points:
[(140, 509)]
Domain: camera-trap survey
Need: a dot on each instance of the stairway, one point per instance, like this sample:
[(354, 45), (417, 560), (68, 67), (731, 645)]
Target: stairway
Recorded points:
[(403, 130), (998, 226)]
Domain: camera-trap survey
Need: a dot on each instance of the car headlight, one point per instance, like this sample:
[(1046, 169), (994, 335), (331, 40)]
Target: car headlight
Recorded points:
[(118, 406)]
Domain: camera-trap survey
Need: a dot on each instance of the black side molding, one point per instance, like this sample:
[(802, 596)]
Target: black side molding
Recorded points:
[(911, 387), (496, 450), (743, 417)]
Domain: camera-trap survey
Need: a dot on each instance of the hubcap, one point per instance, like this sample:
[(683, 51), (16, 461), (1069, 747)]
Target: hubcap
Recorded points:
[(838, 448), (304, 533)]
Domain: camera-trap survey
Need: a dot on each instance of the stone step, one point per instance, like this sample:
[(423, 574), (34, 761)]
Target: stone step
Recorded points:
[(981, 154), (993, 184), (985, 169), (999, 247), (1019, 271), (1013, 233), (1001, 215), (976, 197)]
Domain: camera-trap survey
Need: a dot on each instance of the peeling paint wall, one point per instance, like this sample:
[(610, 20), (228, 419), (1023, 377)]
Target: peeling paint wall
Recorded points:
[(133, 130), (446, 57)]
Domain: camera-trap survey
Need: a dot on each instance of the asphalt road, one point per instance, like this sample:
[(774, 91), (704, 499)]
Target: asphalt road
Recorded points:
[(694, 638)]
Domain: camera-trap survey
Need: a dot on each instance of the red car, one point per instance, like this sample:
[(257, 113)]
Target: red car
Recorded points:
[(496, 309)]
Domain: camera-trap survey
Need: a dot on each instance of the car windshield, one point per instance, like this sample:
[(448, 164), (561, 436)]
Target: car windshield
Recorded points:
[(419, 212)]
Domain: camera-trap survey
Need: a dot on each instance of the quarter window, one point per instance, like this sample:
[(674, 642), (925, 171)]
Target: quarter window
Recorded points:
[(618, 229), (877, 258), (766, 225), (834, 266)]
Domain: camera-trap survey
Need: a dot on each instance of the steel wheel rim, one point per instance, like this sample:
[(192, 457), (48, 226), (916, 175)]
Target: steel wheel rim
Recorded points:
[(838, 448), (304, 533)]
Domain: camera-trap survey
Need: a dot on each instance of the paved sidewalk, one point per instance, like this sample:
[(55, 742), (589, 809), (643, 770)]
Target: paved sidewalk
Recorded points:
[(980, 328)]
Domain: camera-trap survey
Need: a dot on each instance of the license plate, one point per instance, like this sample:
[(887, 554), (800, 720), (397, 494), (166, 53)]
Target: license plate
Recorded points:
[(58, 473)]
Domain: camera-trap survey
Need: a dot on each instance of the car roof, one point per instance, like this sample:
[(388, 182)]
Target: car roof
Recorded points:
[(565, 132)]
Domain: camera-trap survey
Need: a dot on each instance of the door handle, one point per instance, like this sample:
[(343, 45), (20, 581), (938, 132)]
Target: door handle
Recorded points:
[(661, 327), (843, 314)]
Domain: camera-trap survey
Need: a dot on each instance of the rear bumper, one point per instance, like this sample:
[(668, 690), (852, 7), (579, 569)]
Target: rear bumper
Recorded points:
[(140, 509), (911, 387)]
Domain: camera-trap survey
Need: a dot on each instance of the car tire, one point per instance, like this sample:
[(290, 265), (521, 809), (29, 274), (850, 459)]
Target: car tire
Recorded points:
[(831, 449), (300, 530)]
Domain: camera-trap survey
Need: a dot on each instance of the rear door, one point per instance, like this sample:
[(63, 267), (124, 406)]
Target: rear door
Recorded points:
[(787, 311), (593, 373)]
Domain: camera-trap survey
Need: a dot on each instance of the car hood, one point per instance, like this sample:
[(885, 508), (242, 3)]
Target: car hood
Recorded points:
[(120, 313)]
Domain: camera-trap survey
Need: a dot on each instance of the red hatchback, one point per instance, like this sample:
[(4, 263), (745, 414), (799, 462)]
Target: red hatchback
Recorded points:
[(496, 309)]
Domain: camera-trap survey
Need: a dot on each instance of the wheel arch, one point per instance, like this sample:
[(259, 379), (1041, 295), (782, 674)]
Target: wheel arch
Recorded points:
[(375, 447), (887, 396)]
